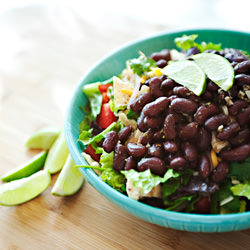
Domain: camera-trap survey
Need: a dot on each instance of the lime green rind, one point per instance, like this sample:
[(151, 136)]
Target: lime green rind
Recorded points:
[(188, 74), (26, 169), (217, 68), (20, 191), (69, 181), (43, 139), (57, 155)]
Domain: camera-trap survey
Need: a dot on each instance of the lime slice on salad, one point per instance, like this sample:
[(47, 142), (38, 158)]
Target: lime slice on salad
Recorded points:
[(26, 169), (20, 191), (188, 74), (217, 68), (57, 155), (43, 139), (69, 181)]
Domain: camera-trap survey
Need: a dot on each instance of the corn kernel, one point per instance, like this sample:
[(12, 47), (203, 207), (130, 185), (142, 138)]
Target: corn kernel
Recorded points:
[(158, 72), (127, 92), (214, 158), (143, 79)]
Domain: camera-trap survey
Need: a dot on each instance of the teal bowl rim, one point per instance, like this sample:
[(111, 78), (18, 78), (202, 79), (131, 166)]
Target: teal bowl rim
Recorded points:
[(125, 202)]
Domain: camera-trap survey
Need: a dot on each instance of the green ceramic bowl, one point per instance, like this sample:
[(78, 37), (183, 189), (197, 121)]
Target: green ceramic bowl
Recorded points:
[(112, 65)]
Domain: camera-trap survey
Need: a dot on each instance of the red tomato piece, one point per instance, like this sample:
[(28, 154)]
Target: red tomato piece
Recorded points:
[(106, 116), (104, 87), (105, 97), (89, 150)]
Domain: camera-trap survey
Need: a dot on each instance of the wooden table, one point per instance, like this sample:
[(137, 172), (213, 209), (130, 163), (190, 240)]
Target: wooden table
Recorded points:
[(42, 57)]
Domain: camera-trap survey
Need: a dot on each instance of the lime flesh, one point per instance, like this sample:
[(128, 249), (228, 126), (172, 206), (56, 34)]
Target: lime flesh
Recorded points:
[(26, 169), (19, 191), (57, 155), (188, 74), (217, 68), (43, 139), (69, 181)]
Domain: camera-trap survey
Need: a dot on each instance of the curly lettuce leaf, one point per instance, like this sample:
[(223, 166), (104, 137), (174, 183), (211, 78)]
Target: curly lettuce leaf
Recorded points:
[(141, 64), (146, 180), (186, 42)]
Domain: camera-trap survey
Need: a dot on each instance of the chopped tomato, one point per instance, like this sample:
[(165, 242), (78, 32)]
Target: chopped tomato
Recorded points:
[(105, 97), (89, 150), (104, 87), (106, 116)]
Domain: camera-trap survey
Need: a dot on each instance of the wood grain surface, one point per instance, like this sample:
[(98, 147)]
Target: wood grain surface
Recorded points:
[(42, 57)]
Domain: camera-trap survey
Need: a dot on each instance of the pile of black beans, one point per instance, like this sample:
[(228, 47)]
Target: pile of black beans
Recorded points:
[(177, 125)]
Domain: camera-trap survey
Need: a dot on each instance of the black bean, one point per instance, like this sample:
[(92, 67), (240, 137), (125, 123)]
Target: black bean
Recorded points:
[(140, 123), (212, 87), (190, 151), (130, 163), (215, 121), (236, 154), (124, 134), (156, 150), (203, 140), (188, 131), (242, 67), (155, 87), (169, 127), (204, 166), (156, 107), (147, 137), (237, 106), (244, 117), (138, 104), (242, 79), (136, 150), (193, 51), (168, 84), (161, 63), (170, 146), (110, 141), (178, 163), (220, 172), (204, 112), (155, 164), (154, 122), (163, 54), (119, 157), (243, 137), (158, 136), (181, 91), (228, 131), (183, 105)]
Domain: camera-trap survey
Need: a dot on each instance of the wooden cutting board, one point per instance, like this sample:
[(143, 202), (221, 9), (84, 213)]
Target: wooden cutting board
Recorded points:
[(41, 61)]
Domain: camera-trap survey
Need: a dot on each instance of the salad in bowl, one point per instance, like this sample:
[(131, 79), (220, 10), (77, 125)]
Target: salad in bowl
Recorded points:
[(172, 130)]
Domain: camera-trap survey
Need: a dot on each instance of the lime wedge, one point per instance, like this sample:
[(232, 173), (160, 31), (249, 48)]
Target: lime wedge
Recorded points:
[(57, 155), (26, 169), (69, 181), (188, 74), (20, 191), (217, 68), (43, 139)]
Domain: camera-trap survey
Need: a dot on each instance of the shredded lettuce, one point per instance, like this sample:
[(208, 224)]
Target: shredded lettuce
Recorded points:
[(186, 42), (141, 64), (146, 180), (87, 138), (242, 189)]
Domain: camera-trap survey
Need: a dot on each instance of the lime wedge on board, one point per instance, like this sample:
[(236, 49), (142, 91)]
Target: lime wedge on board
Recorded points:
[(19, 191), (26, 169), (57, 155), (188, 74), (69, 181), (43, 139), (217, 68)]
